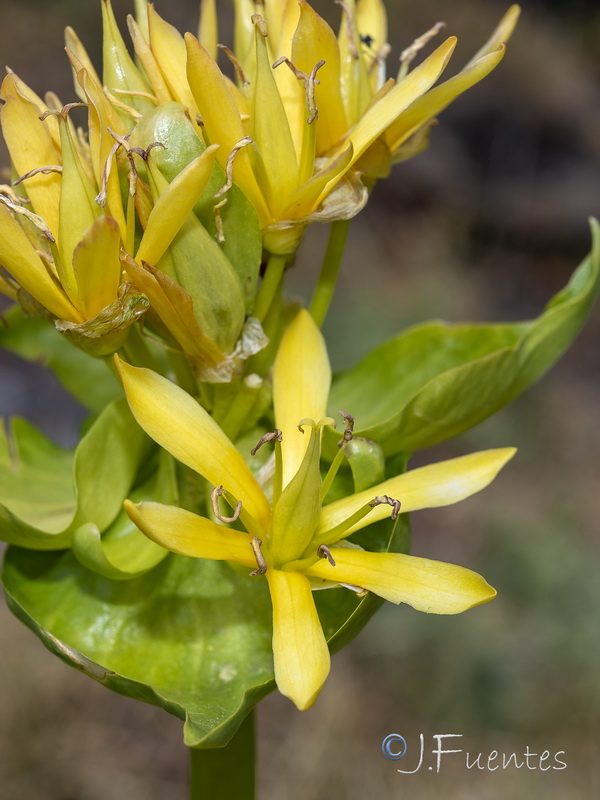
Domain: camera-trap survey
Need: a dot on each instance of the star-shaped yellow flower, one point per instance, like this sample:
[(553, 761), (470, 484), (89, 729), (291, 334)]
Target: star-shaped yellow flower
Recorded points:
[(292, 538)]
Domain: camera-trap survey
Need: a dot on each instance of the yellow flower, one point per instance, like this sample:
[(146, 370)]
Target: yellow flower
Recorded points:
[(292, 538)]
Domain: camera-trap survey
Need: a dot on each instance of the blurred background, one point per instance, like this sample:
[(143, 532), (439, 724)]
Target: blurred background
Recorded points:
[(484, 226)]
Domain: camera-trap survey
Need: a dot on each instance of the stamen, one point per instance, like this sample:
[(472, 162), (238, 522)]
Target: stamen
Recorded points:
[(219, 221), (122, 106), (102, 195), (63, 112), (217, 492), (349, 420), (37, 171), (350, 28), (358, 590), (146, 95), (324, 552), (385, 500), (410, 53), (39, 223), (268, 437), (229, 165), (260, 23), (260, 559), (380, 57), (309, 81), (236, 64)]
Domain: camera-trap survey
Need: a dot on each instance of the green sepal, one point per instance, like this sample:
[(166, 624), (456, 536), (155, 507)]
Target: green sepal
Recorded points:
[(242, 243), (89, 380), (436, 381), (123, 552), (47, 493)]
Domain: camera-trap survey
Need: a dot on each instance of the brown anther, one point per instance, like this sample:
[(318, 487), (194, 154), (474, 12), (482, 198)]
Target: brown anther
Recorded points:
[(63, 112), (268, 437), (121, 105), (350, 28), (309, 81), (348, 432), (236, 64), (260, 23), (217, 492), (229, 165), (38, 170), (199, 121), (260, 559), (36, 220), (410, 53), (145, 95), (390, 501), (102, 195), (380, 56), (324, 552), (220, 236)]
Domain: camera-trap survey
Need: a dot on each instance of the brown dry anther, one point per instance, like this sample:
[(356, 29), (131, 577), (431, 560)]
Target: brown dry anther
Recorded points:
[(268, 437), (260, 559), (217, 492), (324, 552), (349, 430), (385, 500), (229, 165), (236, 64), (38, 170), (309, 81)]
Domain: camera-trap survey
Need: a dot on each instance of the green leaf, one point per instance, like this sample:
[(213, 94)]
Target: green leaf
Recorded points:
[(123, 552), (47, 493), (88, 379), (436, 381), (191, 636)]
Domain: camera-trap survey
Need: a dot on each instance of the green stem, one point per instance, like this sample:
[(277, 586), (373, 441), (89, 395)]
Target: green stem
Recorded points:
[(226, 773), (269, 286), (325, 287)]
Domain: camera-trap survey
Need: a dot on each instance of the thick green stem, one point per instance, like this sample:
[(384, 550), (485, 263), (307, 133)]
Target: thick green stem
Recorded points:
[(325, 288), (226, 773), (269, 286)]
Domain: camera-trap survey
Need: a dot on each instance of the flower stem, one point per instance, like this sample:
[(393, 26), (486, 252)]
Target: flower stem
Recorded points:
[(269, 286), (226, 772), (325, 287)]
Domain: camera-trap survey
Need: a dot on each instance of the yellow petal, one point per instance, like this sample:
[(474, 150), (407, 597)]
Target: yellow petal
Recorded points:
[(380, 116), (301, 381), (28, 93), (174, 206), (430, 586), (307, 198), (148, 61), (271, 131), (501, 34), (432, 486), (169, 50), (355, 84), (299, 648), (101, 117), (314, 41), (371, 19), (96, 266), (119, 73), (190, 535), (73, 45), (221, 118), (437, 99), (78, 209), (30, 145), (19, 258), (243, 36), (171, 417), (207, 30)]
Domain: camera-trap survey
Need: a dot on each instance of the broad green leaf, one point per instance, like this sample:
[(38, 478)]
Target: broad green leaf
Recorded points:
[(47, 493), (123, 552), (436, 381), (88, 379), (190, 636)]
